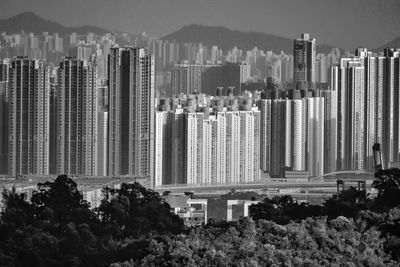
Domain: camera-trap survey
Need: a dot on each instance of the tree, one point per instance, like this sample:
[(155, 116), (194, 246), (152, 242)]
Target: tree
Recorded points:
[(282, 209), (134, 210), (387, 182), (60, 201), (17, 210), (347, 203)]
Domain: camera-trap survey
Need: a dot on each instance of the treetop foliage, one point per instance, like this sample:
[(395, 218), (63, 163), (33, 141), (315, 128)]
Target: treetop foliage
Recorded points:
[(135, 226)]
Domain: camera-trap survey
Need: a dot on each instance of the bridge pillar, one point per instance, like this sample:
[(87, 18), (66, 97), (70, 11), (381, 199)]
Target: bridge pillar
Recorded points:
[(229, 204)]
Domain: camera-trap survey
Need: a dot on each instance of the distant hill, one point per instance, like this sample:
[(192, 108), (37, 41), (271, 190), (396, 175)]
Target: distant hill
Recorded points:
[(392, 44), (227, 39), (30, 22)]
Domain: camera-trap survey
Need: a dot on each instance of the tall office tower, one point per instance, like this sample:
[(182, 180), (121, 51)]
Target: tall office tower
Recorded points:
[(233, 147), (315, 136), (351, 117), (77, 118), (131, 113), (391, 115), (304, 53), (29, 89)]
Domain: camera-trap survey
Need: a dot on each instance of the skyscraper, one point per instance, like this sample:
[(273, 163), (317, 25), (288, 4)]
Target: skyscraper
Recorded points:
[(391, 115), (351, 114), (4, 81), (304, 53), (29, 90), (102, 131), (218, 148), (131, 113), (233, 147), (315, 151), (374, 90), (273, 137), (296, 126), (77, 118), (330, 124), (249, 145), (162, 144)]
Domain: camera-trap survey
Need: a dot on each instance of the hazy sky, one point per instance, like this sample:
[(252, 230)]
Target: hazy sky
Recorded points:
[(345, 23)]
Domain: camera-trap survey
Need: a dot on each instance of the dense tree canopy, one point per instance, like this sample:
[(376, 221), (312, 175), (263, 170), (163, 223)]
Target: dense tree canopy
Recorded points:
[(57, 228), (134, 210), (387, 182), (134, 226), (311, 242)]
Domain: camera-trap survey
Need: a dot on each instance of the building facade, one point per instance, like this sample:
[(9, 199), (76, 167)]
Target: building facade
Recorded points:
[(29, 89), (131, 113), (77, 118)]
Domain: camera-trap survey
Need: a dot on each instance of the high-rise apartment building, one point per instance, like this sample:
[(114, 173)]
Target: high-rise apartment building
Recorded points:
[(292, 135), (218, 148), (296, 125), (4, 81), (3, 128), (304, 53), (315, 150), (391, 110), (29, 89), (187, 78), (102, 131), (131, 113), (273, 137), (77, 117), (232, 147), (330, 125), (163, 146), (368, 108), (351, 114), (374, 91), (321, 69), (53, 137)]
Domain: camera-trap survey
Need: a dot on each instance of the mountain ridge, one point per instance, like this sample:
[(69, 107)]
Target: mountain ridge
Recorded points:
[(30, 22), (226, 39), (395, 43)]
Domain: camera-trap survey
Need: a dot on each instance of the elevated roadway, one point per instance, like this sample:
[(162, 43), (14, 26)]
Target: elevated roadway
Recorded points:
[(266, 186)]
